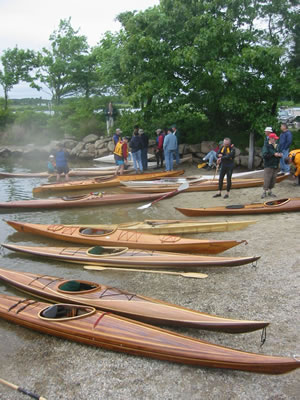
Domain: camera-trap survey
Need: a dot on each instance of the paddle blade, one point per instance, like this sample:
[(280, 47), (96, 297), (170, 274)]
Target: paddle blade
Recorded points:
[(144, 206)]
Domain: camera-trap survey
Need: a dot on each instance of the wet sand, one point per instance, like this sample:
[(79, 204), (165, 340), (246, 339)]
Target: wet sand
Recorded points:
[(59, 369)]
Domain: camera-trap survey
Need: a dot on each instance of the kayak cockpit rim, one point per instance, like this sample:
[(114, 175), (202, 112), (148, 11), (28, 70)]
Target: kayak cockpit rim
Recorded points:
[(87, 231), (104, 251), (276, 203), (65, 312), (77, 286)]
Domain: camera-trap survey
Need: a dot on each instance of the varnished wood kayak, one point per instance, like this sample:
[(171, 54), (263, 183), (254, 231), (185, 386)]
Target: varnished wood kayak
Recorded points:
[(123, 238), (86, 325), (98, 183), (88, 200), (129, 258), (273, 206), (207, 185), (123, 303), (162, 227)]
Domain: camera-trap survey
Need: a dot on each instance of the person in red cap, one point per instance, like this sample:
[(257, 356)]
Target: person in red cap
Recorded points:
[(271, 155)]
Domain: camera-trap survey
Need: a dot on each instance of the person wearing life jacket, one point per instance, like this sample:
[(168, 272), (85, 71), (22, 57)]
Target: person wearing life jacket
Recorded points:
[(159, 149), (121, 154), (225, 159), (294, 158)]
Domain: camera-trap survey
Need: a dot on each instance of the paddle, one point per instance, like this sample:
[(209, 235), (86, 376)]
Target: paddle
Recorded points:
[(197, 275), (182, 187), (19, 389), (202, 165), (217, 167)]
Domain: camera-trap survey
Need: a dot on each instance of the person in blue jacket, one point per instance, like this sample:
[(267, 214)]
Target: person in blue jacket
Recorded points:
[(61, 160), (285, 140), (170, 146)]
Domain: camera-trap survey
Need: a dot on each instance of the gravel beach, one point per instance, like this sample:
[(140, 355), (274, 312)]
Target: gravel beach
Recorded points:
[(61, 370)]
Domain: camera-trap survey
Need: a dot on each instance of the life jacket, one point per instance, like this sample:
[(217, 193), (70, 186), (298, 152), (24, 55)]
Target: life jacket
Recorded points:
[(119, 149), (228, 149)]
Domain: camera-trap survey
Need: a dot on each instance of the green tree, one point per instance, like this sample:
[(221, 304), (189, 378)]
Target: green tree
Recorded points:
[(61, 64), (17, 66)]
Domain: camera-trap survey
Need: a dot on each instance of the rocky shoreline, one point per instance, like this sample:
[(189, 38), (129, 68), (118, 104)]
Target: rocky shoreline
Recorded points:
[(93, 146)]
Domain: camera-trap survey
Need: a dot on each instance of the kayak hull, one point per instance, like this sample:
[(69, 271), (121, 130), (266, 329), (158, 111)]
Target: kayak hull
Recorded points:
[(130, 258), (114, 332), (124, 238), (92, 184), (123, 303), (276, 206), (201, 186), (89, 200)]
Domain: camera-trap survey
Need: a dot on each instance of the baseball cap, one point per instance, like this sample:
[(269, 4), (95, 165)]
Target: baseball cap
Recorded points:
[(51, 156), (268, 129), (273, 136)]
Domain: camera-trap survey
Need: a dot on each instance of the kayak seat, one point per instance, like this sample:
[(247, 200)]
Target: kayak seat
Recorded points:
[(75, 286), (235, 206), (55, 311), (96, 250), (91, 231)]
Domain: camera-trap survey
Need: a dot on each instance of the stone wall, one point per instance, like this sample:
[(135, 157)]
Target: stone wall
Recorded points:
[(93, 146)]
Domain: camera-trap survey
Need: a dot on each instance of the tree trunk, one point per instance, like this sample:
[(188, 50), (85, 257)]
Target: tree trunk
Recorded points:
[(251, 151)]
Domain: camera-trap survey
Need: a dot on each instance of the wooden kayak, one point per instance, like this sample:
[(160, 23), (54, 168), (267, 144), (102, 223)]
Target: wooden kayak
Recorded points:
[(123, 303), (202, 186), (99, 183), (86, 325), (72, 173), (129, 258), (273, 206), (88, 200), (169, 226), (123, 238)]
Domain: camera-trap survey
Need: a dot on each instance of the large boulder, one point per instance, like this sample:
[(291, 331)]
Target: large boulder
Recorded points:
[(99, 144), (90, 138), (111, 146), (70, 144), (194, 148), (207, 146), (77, 149), (101, 152)]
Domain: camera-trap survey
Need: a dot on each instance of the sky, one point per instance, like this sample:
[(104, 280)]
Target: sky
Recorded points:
[(29, 23)]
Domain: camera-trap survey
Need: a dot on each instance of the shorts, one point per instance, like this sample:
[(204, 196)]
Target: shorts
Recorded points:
[(62, 170), (120, 162)]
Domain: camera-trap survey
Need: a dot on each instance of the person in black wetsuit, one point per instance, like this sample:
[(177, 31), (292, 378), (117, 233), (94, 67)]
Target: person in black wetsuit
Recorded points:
[(225, 159)]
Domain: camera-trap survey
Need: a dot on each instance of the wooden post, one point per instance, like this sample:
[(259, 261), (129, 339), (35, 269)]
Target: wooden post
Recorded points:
[(251, 151)]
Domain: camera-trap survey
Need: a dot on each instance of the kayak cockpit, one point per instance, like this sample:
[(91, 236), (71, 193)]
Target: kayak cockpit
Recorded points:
[(276, 203), (64, 312), (95, 231), (105, 251), (75, 287)]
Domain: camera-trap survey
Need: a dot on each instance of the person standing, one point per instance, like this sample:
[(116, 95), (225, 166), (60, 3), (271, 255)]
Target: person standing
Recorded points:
[(226, 156), (268, 130), (170, 146), (61, 161), (121, 155), (177, 134), (135, 145), (159, 149), (285, 140), (144, 150), (271, 155), (117, 136)]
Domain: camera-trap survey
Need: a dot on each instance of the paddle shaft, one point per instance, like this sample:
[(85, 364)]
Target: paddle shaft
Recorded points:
[(184, 274), (21, 390), (183, 186)]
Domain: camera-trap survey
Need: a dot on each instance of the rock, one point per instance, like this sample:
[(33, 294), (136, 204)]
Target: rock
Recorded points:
[(90, 147), (90, 138), (207, 146), (70, 144), (101, 152), (237, 151), (77, 149), (99, 144), (111, 146), (244, 161), (194, 148), (84, 154)]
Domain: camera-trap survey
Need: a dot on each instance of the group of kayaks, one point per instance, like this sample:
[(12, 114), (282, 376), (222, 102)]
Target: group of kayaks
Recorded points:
[(111, 318)]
